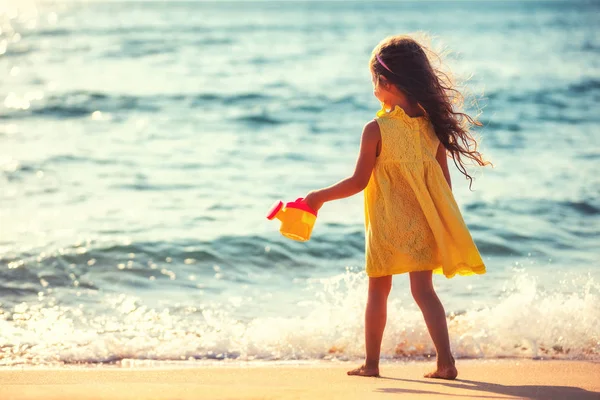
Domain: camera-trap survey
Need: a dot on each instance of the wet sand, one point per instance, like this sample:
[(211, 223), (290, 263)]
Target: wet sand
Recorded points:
[(487, 379)]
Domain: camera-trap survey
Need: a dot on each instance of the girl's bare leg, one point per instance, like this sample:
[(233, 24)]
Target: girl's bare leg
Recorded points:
[(375, 318), (421, 286)]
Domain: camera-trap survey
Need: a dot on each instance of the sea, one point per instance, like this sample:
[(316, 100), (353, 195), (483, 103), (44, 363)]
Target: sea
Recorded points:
[(142, 144)]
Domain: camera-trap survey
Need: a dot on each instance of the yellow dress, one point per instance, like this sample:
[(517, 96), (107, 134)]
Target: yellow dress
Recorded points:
[(411, 218)]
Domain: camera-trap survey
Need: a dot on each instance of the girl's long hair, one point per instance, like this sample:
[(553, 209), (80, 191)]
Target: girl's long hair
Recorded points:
[(413, 73)]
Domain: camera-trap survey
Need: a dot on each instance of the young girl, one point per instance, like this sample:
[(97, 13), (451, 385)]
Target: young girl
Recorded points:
[(412, 221)]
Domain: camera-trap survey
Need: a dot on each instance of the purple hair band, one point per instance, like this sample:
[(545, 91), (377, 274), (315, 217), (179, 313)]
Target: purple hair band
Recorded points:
[(383, 64)]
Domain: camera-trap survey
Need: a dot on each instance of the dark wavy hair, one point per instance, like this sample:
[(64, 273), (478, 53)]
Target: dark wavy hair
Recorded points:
[(434, 90)]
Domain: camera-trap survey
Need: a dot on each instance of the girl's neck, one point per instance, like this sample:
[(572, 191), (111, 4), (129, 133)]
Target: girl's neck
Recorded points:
[(412, 109)]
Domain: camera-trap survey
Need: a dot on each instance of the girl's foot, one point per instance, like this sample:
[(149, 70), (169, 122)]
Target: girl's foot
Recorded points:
[(364, 371), (444, 372)]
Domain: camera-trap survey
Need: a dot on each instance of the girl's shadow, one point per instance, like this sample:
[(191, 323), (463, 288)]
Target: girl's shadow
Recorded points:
[(534, 392)]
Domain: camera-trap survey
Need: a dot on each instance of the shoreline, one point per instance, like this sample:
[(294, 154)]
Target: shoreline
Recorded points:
[(504, 379), (150, 364)]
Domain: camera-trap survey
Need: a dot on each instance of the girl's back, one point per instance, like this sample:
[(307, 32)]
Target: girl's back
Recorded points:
[(406, 139)]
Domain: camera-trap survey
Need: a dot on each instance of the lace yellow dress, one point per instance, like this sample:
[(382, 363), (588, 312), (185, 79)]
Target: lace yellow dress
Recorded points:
[(411, 218)]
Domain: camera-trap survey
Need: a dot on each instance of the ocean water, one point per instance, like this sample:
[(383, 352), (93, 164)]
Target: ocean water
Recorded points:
[(141, 144)]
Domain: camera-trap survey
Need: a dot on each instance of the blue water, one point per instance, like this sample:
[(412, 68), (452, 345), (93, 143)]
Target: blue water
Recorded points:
[(141, 145)]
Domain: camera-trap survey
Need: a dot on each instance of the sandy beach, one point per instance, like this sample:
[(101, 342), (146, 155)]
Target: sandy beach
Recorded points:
[(490, 379)]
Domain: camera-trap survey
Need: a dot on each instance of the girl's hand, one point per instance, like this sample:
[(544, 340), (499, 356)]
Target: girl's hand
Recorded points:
[(314, 201)]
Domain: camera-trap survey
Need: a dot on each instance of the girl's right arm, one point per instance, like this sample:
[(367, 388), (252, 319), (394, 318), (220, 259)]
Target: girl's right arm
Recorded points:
[(442, 158), (367, 156)]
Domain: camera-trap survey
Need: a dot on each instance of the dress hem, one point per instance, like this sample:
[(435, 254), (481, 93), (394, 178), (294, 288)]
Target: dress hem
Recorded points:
[(460, 269)]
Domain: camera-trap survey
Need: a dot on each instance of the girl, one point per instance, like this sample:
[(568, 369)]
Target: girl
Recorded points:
[(412, 221)]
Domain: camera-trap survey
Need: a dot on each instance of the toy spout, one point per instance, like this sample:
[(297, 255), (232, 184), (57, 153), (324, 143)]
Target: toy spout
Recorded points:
[(280, 214), (276, 211)]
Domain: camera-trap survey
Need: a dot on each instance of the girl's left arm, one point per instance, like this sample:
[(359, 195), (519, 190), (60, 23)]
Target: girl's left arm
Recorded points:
[(371, 137)]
